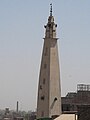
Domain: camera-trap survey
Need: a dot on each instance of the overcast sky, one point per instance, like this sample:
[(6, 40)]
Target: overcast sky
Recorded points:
[(21, 41)]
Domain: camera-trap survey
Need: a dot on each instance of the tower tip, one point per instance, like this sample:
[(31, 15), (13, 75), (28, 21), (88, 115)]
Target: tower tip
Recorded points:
[(51, 9)]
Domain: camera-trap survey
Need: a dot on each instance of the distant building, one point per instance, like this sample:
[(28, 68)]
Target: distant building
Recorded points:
[(11, 115), (74, 99)]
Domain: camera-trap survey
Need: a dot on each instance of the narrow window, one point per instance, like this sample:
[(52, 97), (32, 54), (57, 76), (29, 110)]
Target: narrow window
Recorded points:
[(45, 65), (40, 87), (42, 97), (44, 81), (45, 53)]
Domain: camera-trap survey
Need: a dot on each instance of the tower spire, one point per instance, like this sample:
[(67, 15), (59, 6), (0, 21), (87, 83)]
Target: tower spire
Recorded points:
[(49, 89), (51, 9)]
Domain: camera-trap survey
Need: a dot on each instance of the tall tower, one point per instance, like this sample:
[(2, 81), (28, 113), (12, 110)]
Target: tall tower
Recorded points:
[(49, 91)]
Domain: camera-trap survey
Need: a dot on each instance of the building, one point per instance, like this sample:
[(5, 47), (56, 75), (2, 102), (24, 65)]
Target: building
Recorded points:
[(74, 99), (83, 112), (49, 90), (67, 117), (76, 105)]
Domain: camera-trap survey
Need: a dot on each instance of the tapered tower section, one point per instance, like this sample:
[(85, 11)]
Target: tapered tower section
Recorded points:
[(49, 91)]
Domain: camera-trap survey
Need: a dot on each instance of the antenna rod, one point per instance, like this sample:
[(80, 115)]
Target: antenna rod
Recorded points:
[(51, 9)]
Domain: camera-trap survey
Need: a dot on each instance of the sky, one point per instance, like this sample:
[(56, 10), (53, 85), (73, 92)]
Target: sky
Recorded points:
[(21, 42)]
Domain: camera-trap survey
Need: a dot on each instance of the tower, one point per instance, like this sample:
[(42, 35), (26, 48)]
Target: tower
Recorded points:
[(49, 90), (17, 107)]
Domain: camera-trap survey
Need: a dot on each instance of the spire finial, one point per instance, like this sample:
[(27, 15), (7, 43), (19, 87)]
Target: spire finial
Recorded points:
[(51, 9)]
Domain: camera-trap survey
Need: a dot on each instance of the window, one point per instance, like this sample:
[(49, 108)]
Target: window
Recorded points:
[(49, 25), (44, 81), (42, 97), (45, 65), (40, 87), (46, 50)]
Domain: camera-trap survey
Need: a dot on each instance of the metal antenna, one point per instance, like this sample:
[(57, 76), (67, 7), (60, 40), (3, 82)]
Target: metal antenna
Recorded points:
[(51, 9)]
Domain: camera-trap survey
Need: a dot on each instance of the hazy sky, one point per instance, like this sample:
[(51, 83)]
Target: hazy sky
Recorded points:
[(21, 42)]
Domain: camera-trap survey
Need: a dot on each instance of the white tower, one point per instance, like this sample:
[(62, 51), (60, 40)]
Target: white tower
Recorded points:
[(49, 90)]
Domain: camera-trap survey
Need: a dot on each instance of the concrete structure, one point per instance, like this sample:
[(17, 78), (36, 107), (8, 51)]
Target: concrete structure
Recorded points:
[(67, 117), (49, 91)]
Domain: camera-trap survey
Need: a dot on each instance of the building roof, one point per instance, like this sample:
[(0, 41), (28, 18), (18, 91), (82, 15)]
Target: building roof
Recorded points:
[(67, 117)]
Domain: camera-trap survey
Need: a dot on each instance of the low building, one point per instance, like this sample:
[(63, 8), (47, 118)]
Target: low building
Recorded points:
[(67, 117), (74, 99)]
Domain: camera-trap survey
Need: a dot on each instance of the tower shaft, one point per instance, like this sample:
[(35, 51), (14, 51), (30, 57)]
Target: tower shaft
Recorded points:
[(49, 91)]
